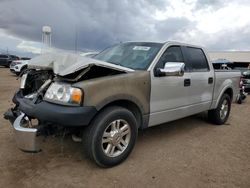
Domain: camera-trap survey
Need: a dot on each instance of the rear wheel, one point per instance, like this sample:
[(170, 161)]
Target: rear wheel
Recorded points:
[(111, 136), (220, 115)]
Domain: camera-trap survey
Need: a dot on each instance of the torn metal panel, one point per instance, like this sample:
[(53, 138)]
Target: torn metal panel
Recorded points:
[(133, 87), (90, 72), (66, 63)]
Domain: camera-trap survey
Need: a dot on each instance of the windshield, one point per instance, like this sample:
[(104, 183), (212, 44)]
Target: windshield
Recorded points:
[(134, 55)]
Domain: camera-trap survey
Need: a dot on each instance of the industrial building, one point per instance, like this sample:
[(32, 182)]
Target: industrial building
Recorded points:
[(240, 58)]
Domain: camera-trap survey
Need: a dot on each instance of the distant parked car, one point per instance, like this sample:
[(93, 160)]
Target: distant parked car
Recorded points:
[(246, 80), (19, 66), (14, 57), (6, 59), (25, 58), (222, 64), (241, 69)]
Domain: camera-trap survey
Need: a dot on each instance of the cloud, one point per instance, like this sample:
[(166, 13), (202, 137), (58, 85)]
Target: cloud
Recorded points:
[(169, 28), (215, 4), (98, 24), (30, 46)]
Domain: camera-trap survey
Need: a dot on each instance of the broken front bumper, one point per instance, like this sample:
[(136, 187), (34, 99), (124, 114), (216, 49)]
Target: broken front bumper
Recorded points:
[(27, 139), (49, 116), (54, 113)]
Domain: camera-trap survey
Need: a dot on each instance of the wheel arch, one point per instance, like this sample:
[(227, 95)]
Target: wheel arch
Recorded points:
[(128, 104), (227, 90)]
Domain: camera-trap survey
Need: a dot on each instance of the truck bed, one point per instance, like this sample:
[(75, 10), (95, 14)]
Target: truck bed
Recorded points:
[(222, 79)]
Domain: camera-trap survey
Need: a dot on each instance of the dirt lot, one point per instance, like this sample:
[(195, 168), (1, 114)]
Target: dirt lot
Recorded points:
[(185, 153)]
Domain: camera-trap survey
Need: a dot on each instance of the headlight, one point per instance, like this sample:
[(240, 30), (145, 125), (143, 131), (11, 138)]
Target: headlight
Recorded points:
[(64, 93)]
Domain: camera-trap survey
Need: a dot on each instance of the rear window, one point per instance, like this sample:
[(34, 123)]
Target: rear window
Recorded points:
[(197, 59)]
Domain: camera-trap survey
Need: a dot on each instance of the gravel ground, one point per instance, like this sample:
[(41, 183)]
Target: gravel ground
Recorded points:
[(186, 153)]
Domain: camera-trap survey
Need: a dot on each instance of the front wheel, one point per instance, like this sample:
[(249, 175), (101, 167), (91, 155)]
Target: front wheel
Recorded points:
[(111, 136), (220, 115)]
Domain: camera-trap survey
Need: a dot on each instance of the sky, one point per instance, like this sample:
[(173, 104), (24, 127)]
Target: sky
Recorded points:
[(97, 24)]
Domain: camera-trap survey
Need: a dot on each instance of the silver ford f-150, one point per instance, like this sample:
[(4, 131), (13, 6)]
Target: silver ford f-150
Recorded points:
[(106, 99)]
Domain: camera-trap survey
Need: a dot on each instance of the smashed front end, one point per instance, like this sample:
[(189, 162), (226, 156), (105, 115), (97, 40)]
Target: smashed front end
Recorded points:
[(47, 102), (31, 91)]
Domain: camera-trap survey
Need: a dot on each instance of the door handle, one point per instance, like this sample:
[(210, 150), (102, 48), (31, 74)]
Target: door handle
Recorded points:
[(210, 80), (187, 82)]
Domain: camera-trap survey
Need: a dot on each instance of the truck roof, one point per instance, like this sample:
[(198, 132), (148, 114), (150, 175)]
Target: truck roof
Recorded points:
[(169, 42)]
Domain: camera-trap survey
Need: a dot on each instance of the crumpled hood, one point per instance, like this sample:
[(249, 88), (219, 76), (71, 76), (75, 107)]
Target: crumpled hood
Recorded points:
[(66, 63)]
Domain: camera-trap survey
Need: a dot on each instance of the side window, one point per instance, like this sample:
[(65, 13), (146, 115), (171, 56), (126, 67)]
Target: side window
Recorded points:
[(172, 54), (197, 59)]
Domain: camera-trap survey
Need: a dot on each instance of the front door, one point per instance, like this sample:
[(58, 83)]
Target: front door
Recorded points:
[(169, 94)]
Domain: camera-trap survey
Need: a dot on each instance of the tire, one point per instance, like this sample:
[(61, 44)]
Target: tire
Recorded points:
[(113, 147), (220, 115)]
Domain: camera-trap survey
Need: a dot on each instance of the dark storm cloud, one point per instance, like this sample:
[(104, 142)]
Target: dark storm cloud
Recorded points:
[(100, 23), (97, 24)]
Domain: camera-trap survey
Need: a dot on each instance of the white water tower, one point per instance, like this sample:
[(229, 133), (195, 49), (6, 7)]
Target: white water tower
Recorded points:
[(46, 35)]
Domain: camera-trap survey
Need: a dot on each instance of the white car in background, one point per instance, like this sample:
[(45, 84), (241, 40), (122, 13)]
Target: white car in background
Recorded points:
[(19, 66)]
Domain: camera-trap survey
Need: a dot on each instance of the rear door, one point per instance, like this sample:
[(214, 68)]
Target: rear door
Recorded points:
[(202, 79)]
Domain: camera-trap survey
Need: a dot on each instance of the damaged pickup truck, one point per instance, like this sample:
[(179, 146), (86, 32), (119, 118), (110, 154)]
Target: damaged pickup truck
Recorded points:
[(106, 99)]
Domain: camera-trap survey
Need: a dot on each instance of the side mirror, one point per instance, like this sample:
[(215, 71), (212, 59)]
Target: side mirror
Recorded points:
[(171, 69)]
